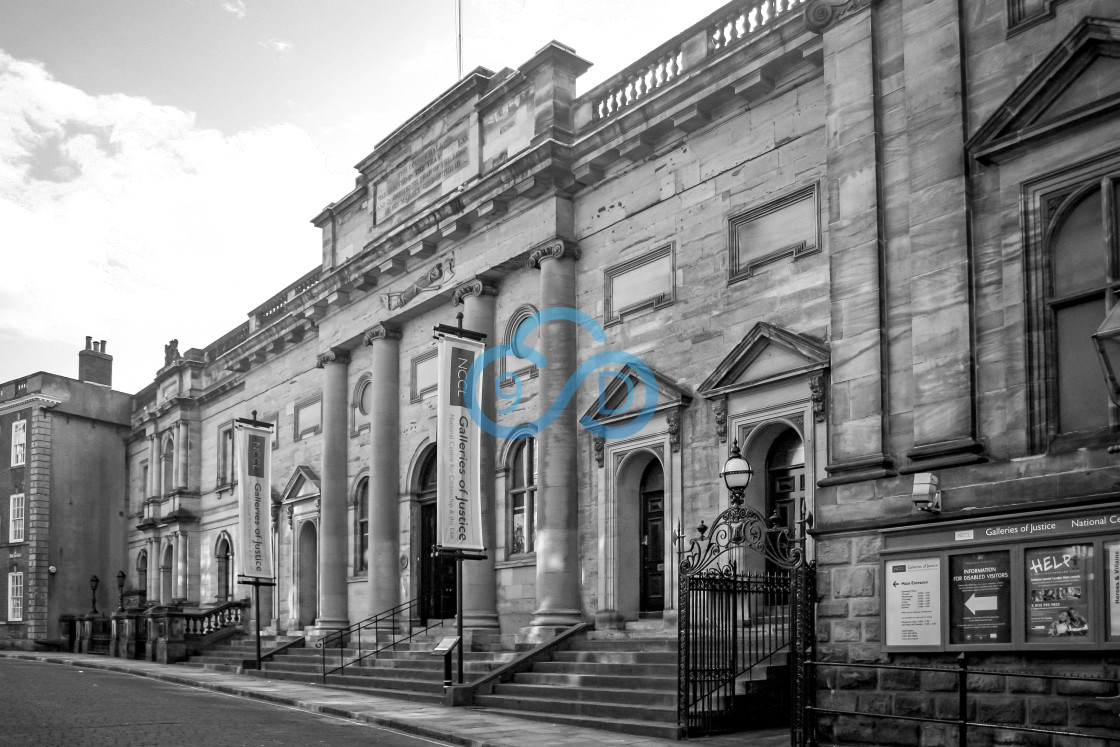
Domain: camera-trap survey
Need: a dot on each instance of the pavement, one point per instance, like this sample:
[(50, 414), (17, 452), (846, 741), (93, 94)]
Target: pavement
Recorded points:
[(469, 727)]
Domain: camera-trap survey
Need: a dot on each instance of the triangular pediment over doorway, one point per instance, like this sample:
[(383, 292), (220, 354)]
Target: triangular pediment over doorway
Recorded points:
[(623, 395), (304, 483), (1075, 86), (765, 355)]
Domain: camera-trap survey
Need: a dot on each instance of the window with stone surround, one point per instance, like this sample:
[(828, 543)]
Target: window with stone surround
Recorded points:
[(225, 455), (15, 597), (785, 228), (514, 368), (309, 418), (16, 518), (361, 526), (521, 498), (424, 375), (19, 443), (642, 283), (361, 404), (1074, 225)]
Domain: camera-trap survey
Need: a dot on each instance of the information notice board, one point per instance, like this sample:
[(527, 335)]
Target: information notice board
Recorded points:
[(1059, 600), (913, 602), (980, 597)]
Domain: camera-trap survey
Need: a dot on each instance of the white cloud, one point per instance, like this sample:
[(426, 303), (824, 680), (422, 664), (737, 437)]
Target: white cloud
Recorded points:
[(124, 219), (237, 8), (276, 45)]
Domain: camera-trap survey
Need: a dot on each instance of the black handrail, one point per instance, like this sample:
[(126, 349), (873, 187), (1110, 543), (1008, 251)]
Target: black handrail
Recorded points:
[(387, 621)]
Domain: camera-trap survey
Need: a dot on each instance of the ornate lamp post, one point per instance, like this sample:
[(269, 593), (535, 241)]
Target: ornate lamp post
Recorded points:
[(736, 475), (120, 590), (94, 581)]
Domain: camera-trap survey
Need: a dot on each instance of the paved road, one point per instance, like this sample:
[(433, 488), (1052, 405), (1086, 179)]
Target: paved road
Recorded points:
[(47, 704)]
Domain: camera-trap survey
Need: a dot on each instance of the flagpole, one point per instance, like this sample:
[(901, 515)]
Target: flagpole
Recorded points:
[(459, 39)]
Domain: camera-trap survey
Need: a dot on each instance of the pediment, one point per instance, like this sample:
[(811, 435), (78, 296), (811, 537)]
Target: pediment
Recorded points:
[(303, 484), (766, 354), (623, 394), (1076, 85)]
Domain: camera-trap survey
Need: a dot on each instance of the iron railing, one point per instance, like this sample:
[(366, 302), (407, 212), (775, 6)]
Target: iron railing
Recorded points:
[(390, 622), (963, 724)]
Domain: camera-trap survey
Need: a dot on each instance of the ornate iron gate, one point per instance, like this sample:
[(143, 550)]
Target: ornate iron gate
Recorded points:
[(743, 635)]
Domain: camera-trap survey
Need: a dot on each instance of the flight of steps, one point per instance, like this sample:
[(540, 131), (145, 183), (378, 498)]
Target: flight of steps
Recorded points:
[(615, 680), (409, 671)]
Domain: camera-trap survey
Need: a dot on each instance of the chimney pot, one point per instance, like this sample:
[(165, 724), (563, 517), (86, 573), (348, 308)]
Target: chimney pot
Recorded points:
[(89, 342), (103, 346)]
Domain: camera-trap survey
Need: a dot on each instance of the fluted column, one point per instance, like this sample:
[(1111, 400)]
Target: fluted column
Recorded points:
[(153, 466), (383, 576), (558, 577), (181, 444), (332, 512), (480, 601), (181, 565)]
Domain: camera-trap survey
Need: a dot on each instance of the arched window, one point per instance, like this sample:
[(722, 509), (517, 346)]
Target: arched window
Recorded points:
[(361, 526), (521, 498), (515, 366), (361, 405), (167, 465), (142, 571), (1079, 257), (223, 555)]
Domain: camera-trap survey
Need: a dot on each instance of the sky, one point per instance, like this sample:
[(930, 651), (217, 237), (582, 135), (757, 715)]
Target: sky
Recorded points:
[(161, 160)]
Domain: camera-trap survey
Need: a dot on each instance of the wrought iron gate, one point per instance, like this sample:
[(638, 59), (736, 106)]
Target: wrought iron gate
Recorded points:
[(743, 635)]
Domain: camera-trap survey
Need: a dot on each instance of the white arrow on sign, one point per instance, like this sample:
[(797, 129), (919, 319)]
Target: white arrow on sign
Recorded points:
[(975, 603)]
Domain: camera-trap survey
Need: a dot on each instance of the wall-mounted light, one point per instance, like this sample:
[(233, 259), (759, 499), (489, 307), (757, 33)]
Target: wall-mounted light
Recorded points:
[(52, 570), (1107, 340), (927, 493)]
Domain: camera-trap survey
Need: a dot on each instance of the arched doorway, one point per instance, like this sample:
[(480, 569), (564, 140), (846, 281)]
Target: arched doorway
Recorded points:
[(307, 577), (651, 507), (142, 575), (437, 574), (785, 478), (166, 573)]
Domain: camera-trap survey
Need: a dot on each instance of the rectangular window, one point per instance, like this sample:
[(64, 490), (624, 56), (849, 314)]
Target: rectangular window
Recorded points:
[(15, 597), (19, 443), (225, 455), (425, 375), (15, 517), (788, 227), (309, 418), (644, 282)]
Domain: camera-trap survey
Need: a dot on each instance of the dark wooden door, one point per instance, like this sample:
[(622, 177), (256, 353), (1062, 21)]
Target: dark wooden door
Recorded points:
[(437, 574), (653, 539)]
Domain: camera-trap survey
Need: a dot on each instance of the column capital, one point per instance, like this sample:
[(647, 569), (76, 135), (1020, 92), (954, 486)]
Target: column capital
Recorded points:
[(474, 287), (381, 331), (553, 249), (334, 355), (820, 14)]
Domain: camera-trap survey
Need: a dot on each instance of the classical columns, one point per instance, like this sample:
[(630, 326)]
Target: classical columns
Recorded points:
[(152, 585), (181, 564), (332, 513), (384, 473), (182, 436), (480, 608), (558, 577), (153, 465)]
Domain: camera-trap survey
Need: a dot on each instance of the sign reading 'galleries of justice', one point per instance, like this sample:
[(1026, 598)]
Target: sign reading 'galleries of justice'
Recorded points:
[(459, 481), (253, 447), (913, 602)]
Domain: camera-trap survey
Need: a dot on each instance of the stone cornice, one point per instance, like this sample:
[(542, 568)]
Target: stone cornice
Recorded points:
[(334, 355), (554, 249), (820, 14), (30, 400), (380, 331), (474, 287)]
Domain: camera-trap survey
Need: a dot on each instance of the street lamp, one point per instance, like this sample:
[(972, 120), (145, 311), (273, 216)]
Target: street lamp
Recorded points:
[(93, 582), (736, 474), (120, 590)]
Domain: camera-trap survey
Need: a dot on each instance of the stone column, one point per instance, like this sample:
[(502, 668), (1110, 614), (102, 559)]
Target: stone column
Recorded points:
[(858, 449), (383, 577), (153, 466), (332, 513), (157, 584), (480, 601), (151, 587), (181, 564), (184, 437), (558, 573)]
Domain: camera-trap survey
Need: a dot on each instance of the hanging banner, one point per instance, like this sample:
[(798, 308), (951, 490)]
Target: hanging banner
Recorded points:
[(459, 482), (253, 452)]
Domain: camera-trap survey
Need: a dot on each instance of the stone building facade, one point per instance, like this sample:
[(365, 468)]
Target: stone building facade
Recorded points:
[(868, 242), (62, 481)]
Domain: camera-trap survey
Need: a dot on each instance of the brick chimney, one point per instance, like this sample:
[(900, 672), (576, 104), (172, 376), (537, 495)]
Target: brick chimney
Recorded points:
[(94, 364)]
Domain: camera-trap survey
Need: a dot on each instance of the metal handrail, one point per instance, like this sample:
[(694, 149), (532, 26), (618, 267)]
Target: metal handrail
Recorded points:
[(377, 623)]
